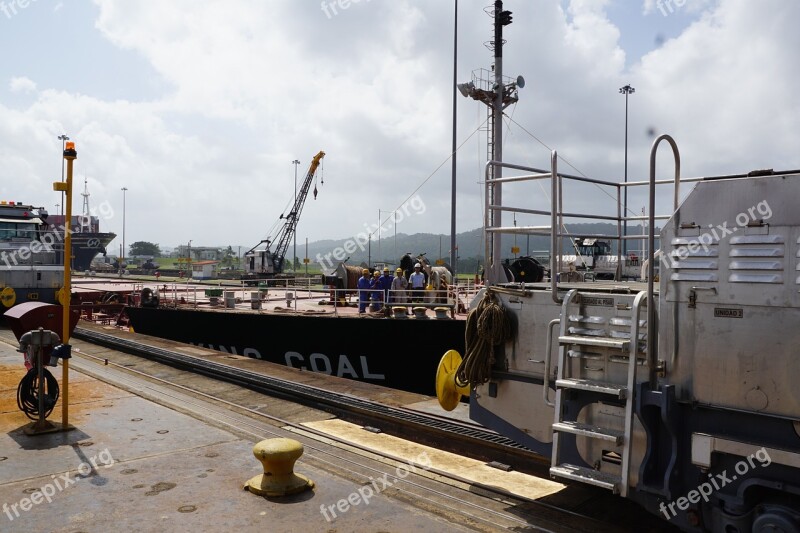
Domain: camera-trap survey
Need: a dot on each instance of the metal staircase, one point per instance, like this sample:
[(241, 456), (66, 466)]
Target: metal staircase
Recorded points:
[(613, 346)]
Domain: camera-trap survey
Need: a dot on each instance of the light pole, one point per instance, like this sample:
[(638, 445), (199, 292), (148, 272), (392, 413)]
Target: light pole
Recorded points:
[(124, 190), (63, 138), (294, 214), (454, 149), (627, 90)]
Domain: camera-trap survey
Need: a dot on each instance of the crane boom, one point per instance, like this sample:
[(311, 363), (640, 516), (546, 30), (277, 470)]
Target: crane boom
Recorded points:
[(260, 262), (286, 234)]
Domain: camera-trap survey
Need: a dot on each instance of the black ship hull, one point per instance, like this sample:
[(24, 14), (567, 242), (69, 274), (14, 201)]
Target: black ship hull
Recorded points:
[(395, 353), (86, 246)]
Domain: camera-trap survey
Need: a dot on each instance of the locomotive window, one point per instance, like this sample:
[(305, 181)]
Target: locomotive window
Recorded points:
[(11, 230)]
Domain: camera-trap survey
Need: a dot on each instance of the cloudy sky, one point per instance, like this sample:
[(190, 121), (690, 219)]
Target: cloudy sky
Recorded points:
[(199, 107)]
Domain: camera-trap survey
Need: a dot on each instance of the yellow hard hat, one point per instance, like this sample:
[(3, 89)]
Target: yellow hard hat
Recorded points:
[(376, 273), (365, 271), (400, 270), (386, 269)]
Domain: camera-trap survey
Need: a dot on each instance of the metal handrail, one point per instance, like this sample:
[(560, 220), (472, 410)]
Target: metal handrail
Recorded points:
[(547, 350), (557, 214), (555, 240), (652, 356), (629, 407)]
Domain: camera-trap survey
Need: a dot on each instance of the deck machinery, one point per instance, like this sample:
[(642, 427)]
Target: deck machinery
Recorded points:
[(679, 392)]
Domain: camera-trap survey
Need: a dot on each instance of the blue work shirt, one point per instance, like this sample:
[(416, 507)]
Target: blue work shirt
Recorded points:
[(364, 284)]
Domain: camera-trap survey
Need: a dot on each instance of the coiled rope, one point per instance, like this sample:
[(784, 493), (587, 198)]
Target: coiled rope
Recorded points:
[(488, 325), (28, 393)]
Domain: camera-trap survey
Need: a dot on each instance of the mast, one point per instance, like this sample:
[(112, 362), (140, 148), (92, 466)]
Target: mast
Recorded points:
[(497, 94), (85, 220), (85, 195), (497, 110)]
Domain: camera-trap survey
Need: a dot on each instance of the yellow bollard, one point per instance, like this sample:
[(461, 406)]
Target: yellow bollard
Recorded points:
[(278, 457)]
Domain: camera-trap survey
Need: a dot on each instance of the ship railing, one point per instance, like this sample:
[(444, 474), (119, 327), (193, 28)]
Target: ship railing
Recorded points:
[(348, 298), (556, 215)]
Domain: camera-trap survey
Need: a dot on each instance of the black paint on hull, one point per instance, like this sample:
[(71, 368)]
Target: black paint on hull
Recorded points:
[(401, 354), (86, 246)]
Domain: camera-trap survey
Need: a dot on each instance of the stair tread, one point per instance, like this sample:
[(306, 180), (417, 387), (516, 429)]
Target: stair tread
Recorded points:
[(606, 342), (594, 386), (589, 430), (587, 475)]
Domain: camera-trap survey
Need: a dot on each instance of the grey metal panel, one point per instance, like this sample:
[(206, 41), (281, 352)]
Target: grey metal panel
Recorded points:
[(757, 239), (755, 278), (777, 251), (729, 338), (695, 264), (711, 251), (694, 276), (683, 241), (756, 265)]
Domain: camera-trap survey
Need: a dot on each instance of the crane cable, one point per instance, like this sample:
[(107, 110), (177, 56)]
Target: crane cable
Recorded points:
[(488, 325)]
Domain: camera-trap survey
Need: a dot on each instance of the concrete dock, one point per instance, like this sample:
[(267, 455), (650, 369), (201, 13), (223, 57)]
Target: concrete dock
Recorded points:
[(150, 459)]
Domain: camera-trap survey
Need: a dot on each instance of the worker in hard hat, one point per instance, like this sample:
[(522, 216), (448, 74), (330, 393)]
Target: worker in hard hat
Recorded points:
[(364, 286), (376, 296), (417, 283), (385, 283), (399, 287)]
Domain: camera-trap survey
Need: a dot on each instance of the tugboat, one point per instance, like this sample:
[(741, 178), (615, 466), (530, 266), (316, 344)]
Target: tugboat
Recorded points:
[(29, 256)]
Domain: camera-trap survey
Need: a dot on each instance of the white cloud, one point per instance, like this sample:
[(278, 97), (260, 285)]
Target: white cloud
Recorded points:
[(21, 84), (252, 86)]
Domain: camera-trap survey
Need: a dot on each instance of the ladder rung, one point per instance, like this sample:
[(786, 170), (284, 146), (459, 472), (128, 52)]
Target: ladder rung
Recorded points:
[(592, 432), (587, 475), (620, 391), (603, 342)]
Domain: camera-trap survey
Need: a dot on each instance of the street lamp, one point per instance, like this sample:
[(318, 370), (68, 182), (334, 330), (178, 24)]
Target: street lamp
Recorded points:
[(294, 214), (124, 190), (63, 138), (627, 90)]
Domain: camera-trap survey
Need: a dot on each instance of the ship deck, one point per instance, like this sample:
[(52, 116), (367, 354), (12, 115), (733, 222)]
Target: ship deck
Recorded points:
[(278, 300), (306, 301)]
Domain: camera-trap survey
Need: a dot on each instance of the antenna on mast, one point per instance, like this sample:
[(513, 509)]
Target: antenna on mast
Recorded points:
[(85, 195)]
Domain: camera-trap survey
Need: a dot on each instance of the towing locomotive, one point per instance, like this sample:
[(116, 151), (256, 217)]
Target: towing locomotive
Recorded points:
[(677, 391)]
